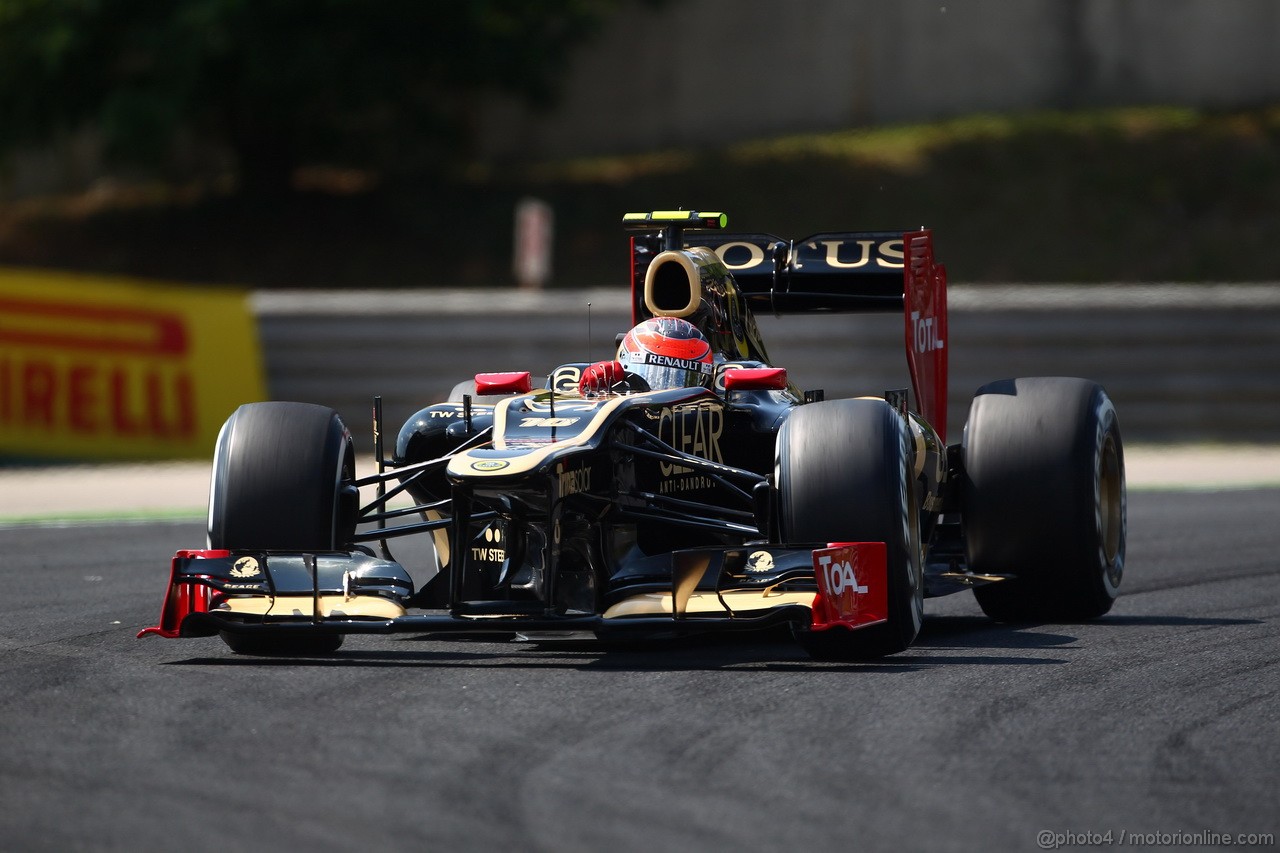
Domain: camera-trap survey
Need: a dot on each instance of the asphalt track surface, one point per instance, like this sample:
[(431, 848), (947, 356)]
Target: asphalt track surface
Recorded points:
[(1161, 718)]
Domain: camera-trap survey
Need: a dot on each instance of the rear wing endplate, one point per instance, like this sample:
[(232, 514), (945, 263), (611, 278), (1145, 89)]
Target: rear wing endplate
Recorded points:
[(924, 296)]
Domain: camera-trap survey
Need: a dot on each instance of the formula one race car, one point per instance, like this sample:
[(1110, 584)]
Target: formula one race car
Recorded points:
[(684, 486)]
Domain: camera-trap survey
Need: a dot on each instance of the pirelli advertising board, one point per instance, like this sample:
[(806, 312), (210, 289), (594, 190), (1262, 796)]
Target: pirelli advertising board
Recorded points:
[(113, 369)]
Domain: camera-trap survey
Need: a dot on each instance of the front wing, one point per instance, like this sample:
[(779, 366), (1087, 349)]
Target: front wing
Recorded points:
[(842, 587)]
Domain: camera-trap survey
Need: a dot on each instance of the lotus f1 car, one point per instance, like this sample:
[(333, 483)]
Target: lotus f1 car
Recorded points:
[(687, 486)]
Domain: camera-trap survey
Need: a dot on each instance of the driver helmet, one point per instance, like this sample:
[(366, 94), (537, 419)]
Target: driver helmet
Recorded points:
[(667, 352)]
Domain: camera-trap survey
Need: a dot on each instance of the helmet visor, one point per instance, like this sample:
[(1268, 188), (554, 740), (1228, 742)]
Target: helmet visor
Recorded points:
[(662, 372)]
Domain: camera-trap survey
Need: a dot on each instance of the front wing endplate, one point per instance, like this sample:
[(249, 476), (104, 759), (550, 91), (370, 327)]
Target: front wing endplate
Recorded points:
[(853, 585)]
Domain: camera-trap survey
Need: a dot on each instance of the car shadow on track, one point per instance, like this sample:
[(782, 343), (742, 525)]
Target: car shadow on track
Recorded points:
[(971, 632), (1173, 621), (978, 631), (765, 652)]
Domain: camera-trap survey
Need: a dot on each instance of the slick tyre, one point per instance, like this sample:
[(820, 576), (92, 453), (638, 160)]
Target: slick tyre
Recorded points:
[(1043, 499), (282, 480), (844, 471)]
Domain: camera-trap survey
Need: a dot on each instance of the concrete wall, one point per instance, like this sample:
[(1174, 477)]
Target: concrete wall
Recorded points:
[(1182, 362), (700, 72)]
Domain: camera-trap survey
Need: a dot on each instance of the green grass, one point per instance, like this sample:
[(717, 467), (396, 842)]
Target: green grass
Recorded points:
[(80, 518), (1154, 194)]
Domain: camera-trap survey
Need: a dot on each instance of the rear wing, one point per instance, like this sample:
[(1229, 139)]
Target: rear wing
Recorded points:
[(838, 271), (835, 271), (852, 272)]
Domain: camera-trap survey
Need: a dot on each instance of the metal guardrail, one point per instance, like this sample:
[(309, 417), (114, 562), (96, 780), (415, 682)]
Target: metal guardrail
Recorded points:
[(1182, 362)]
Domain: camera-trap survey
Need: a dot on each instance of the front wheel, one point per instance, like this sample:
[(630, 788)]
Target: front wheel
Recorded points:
[(282, 480), (1044, 499), (844, 473)]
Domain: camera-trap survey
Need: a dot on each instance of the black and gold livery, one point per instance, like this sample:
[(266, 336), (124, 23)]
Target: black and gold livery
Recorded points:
[(634, 513)]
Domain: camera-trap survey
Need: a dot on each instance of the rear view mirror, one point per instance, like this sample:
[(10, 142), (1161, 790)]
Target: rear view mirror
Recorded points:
[(503, 383), (755, 379)]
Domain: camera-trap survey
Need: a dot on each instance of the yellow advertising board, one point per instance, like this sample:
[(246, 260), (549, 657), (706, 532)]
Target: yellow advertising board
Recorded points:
[(100, 368)]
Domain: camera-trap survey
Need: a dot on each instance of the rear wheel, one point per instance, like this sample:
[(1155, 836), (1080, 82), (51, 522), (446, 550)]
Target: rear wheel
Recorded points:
[(1044, 499), (844, 474), (283, 480)]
